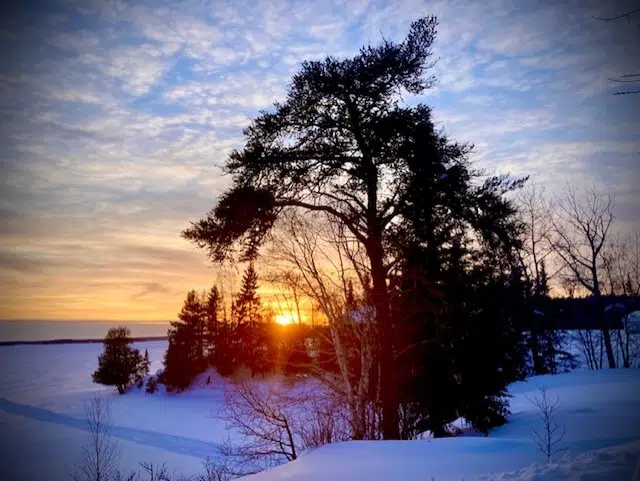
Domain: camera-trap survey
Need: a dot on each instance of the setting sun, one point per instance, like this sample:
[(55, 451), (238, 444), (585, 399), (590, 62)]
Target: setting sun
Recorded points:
[(286, 318)]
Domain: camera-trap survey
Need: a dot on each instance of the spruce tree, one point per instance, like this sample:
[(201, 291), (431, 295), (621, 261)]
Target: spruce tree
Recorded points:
[(184, 357), (254, 348), (213, 319), (247, 304), (120, 363), (458, 289)]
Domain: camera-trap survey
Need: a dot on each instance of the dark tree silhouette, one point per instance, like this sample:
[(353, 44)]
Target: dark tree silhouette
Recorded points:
[(252, 336), (336, 145), (119, 364), (184, 357), (457, 289), (213, 320)]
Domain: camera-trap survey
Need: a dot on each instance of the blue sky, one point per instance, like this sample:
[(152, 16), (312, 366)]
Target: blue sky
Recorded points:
[(117, 116)]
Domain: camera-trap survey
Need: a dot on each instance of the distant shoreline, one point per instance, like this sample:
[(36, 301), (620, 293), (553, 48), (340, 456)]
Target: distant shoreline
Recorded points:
[(79, 341)]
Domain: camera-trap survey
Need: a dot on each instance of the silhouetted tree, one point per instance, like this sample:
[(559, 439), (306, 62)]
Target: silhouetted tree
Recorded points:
[(213, 319), (184, 357), (253, 333), (145, 365), (581, 229), (336, 145), (458, 289), (120, 363)]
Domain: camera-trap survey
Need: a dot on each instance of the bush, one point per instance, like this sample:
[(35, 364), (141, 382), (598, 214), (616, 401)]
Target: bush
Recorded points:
[(152, 385), (120, 364)]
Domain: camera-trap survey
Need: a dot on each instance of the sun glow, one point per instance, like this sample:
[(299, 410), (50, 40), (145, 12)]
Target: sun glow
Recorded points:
[(286, 318)]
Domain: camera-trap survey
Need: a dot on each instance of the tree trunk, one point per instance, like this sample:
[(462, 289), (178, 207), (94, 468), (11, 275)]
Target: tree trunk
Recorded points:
[(535, 350), (603, 320), (388, 391), (609, 348)]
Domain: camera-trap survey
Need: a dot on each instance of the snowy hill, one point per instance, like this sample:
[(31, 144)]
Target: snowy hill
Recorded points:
[(43, 388), (600, 409)]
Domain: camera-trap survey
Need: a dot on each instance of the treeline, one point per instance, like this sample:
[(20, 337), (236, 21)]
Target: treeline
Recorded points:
[(208, 334)]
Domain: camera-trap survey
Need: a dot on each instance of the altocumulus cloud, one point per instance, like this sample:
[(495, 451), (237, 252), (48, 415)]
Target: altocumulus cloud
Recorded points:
[(117, 118)]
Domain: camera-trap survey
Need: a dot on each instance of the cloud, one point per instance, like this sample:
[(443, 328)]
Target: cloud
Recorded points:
[(117, 118)]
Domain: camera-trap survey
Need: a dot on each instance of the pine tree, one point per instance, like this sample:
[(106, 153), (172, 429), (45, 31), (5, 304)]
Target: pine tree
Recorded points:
[(120, 363), (212, 311), (247, 304), (254, 347), (458, 289), (144, 366), (184, 357)]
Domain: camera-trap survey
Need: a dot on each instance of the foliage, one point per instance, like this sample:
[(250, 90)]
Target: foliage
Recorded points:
[(458, 290), (184, 357), (152, 385), (120, 364)]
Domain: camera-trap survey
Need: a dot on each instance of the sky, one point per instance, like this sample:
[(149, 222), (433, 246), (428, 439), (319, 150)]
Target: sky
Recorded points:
[(117, 117)]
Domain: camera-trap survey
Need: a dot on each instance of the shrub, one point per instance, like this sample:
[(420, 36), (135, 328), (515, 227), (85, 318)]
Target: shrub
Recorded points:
[(152, 385), (119, 364)]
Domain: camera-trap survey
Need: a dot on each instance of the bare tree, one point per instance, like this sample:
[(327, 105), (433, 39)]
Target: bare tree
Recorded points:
[(581, 227), (551, 434), (118, 476), (622, 275), (215, 471), (100, 454), (536, 211), (155, 473), (534, 257), (264, 417), (332, 270)]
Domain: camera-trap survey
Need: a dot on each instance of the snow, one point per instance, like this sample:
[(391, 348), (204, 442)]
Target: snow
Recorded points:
[(600, 409), (43, 388), (616, 463)]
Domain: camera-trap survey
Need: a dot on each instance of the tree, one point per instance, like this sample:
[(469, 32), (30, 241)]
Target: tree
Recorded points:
[(535, 251), (100, 454), (327, 270), (336, 145), (213, 319), (621, 266), (119, 364), (184, 357), (145, 365), (580, 235), (276, 423), (551, 433), (457, 286), (247, 305), (253, 341)]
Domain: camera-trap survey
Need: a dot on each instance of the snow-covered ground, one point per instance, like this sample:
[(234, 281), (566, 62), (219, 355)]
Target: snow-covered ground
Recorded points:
[(43, 388)]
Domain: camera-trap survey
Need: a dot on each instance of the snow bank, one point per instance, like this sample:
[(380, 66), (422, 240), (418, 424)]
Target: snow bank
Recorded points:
[(600, 409), (620, 463)]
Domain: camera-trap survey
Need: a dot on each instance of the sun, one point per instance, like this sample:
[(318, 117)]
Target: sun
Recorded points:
[(286, 318)]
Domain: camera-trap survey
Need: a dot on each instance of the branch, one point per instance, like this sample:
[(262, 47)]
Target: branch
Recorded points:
[(628, 14), (324, 208)]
